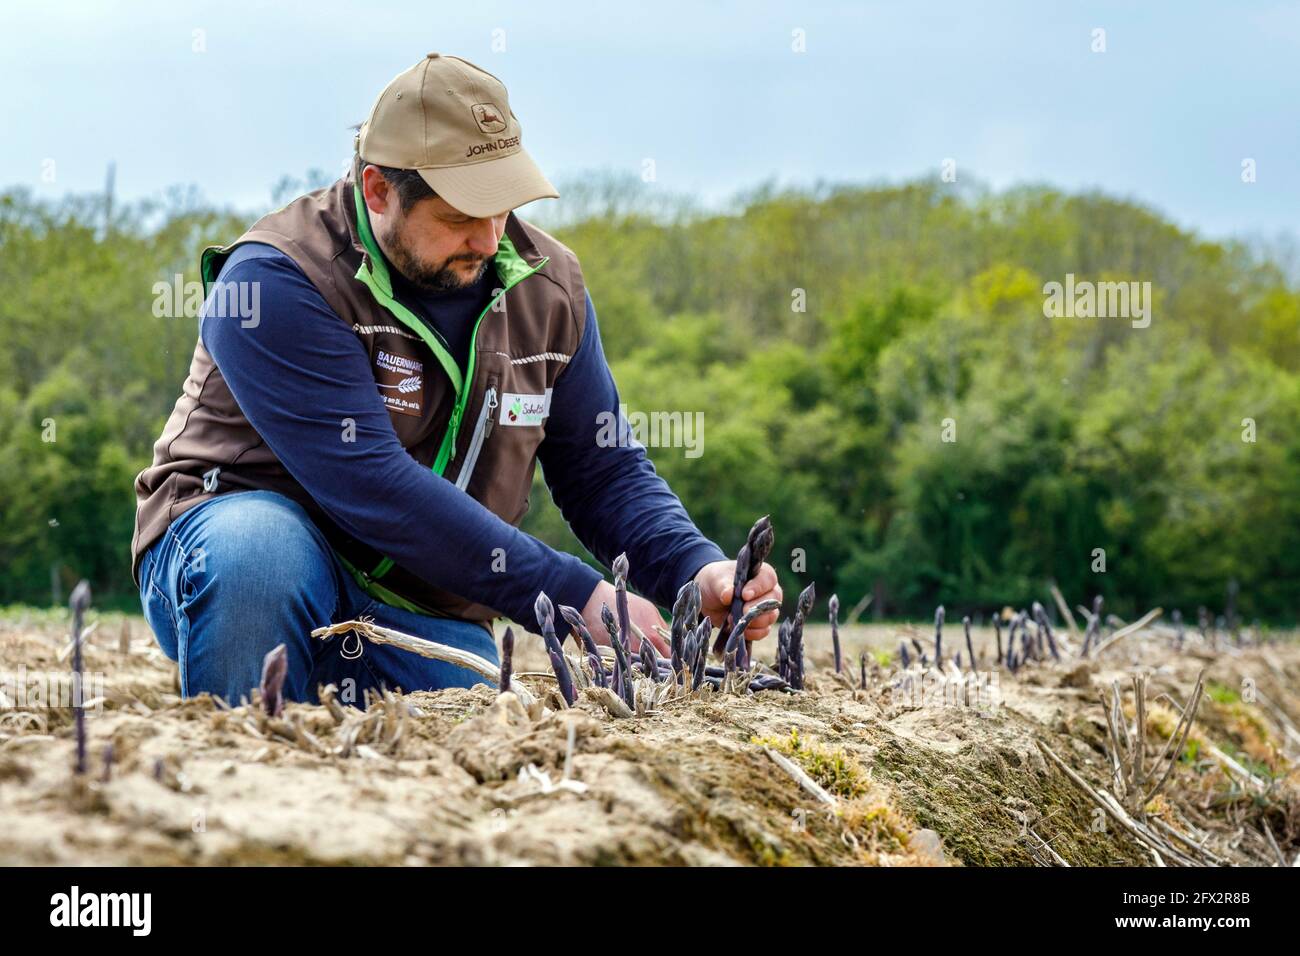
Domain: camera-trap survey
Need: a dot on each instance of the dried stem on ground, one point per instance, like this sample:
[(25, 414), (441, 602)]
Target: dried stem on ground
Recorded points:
[(372, 632)]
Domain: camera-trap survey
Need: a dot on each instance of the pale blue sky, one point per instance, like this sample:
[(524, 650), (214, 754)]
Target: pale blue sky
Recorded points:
[(711, 91)]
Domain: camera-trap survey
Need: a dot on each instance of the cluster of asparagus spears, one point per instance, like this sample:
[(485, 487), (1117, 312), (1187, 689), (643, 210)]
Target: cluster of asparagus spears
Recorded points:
[(752, 554), (1031, 646), (1094, 626), (619, 669), (1022, 644), (789, 641)]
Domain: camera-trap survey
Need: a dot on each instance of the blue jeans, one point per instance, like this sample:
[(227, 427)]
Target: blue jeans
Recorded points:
[(240, 573)]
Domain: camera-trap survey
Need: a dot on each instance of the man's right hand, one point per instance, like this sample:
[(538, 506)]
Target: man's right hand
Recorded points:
[(640, 612)]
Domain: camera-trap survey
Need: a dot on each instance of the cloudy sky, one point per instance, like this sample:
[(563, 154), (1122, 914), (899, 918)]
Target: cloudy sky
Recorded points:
[(230, 96)]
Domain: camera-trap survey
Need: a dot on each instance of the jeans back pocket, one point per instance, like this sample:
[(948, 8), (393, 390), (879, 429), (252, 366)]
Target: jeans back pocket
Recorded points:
[(157, 606)]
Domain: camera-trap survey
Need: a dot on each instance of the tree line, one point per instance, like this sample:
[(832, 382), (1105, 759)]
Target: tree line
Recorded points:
[(873, 365)]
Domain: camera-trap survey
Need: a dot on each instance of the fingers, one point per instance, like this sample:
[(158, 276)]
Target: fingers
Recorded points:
[(646, 625), (653, 637), (761, 626), (725, 587), (645, 618), (763, 582), (762, 586)]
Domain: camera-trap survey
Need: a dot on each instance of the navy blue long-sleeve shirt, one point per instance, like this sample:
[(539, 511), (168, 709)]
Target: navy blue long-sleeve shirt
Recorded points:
[(301, 371)]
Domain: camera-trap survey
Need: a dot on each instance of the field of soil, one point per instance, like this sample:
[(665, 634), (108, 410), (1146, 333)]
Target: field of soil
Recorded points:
[(904, 771)]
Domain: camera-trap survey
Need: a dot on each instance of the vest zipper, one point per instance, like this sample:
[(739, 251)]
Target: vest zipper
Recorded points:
[(447, 451), (481, 431), (375, 278), (380, 287)]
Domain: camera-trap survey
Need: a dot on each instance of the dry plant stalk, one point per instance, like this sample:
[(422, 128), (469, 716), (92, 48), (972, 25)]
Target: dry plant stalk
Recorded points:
[(1136, 782), (1155, 845), (606, 698), (1064, 608), (1133, 628), (416, 645), (797, 773)]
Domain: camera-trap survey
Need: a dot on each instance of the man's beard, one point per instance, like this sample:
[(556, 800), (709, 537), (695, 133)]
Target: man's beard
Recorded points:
[(441, 278)]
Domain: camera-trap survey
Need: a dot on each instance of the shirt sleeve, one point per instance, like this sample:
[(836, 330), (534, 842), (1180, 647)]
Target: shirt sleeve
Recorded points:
[(298, 374), (610, 494)]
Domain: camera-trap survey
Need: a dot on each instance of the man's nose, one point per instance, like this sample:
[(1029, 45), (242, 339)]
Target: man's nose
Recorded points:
[(483, 237)]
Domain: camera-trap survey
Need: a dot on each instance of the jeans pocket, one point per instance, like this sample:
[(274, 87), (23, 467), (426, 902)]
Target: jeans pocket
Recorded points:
[(158, 610)]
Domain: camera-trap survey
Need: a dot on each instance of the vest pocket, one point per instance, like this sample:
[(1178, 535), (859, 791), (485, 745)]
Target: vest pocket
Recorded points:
[(482, 429)]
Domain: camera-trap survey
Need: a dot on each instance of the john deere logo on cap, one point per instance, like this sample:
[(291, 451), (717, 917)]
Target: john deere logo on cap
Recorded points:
[(488, 117)]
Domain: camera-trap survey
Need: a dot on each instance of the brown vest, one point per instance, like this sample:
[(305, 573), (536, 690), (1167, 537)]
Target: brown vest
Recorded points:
[(482, 438)]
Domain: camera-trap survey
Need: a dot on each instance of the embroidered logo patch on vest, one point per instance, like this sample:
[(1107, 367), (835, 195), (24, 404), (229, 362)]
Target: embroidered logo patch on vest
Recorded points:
[(524, 410), (400, 380)]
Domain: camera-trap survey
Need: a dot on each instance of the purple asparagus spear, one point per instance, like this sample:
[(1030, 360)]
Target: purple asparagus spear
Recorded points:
[(78, 602), (1045, 626), (761, 538), (1017, 620), (701, 653), (802, 609), (938, 635), (507, 659), (683, 619), (275, 667), (835, 630), (622, 665), (611, 628), (970, 649), (545, 611), (758, 610), (711, 671), (767, 682), (731, 650), (752, 554), (620, 601), (738, 583), (783, 648), (1094, 626), (579, 628), (107, 774), (649, 660)]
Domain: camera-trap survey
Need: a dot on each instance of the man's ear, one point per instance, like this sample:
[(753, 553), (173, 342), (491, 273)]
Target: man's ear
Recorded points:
[(376, 190)]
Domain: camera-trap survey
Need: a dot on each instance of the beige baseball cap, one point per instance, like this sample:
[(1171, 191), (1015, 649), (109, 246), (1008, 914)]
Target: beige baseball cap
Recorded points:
[(451, 121)]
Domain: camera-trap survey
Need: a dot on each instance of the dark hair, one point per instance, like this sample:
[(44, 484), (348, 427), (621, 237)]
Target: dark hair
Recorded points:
[(410, 185)]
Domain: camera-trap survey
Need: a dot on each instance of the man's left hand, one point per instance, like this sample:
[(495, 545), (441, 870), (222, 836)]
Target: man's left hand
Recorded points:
[(716, 581)]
